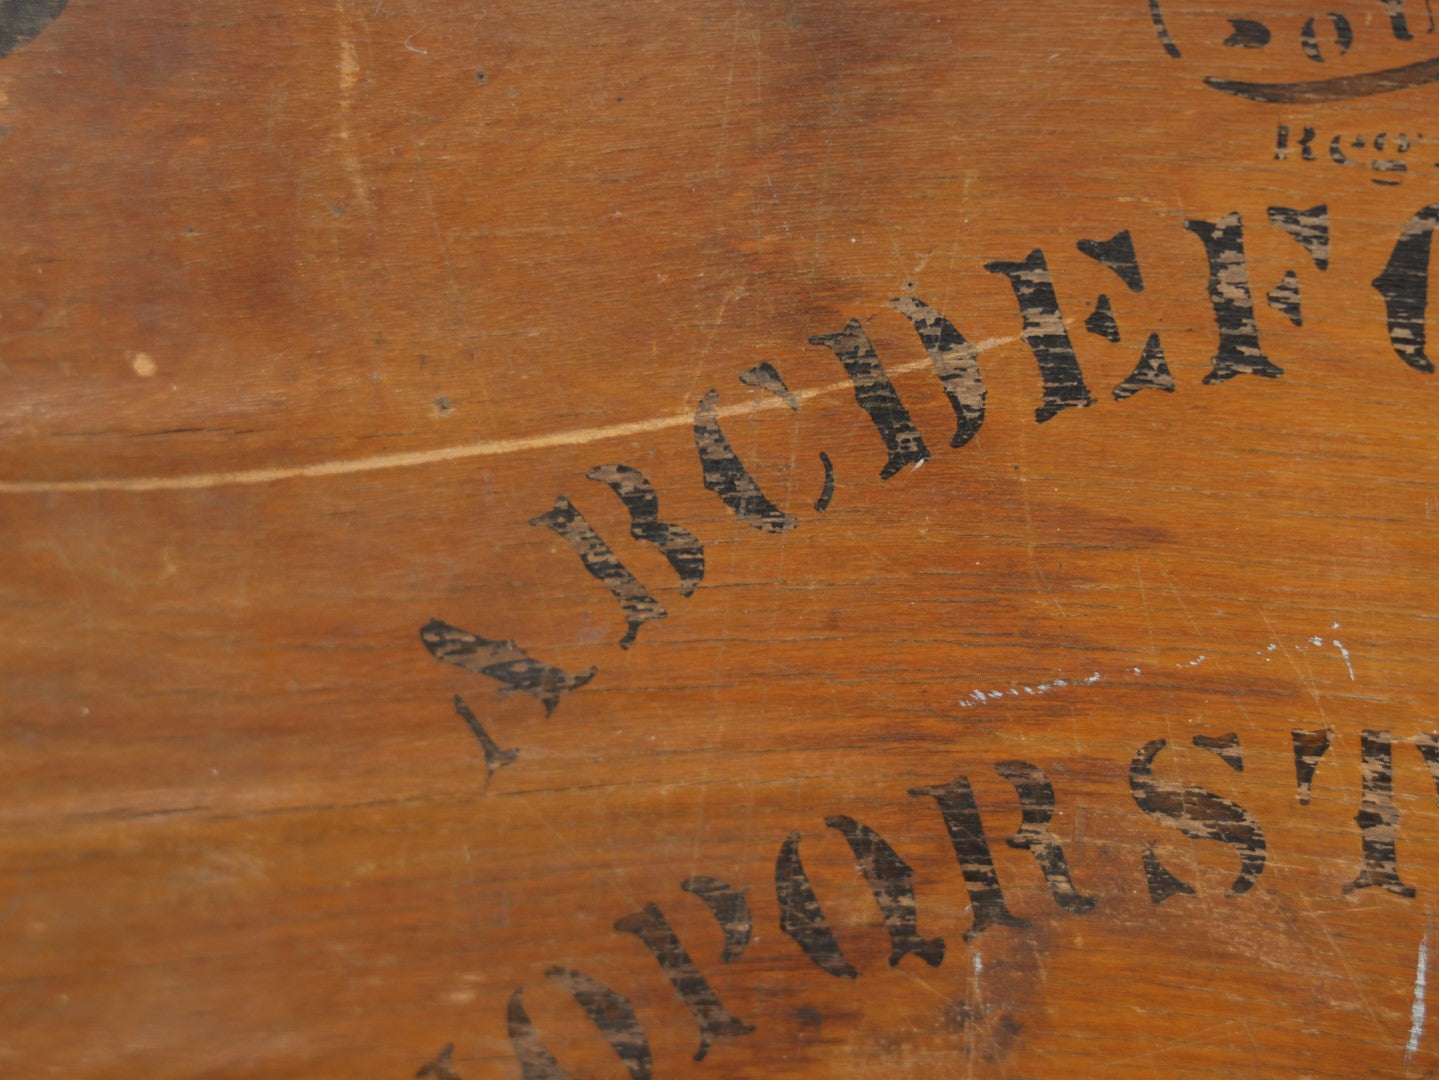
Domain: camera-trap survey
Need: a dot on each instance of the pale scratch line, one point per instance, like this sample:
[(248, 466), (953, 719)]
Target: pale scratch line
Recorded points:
[(1416, 1011), (412, 459)]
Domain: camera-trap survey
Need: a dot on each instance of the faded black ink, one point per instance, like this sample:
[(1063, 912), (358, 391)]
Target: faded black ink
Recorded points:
[(1239, 352), (1284, 298), (1157, 17), (503, 661), (1343, 36), (877, 396), (1226, 747), (891, 881), (693, 989), (1428, 747), (1162, 884), (1117, 253), (680, 547), (1309, 747), (1309, 228), (1036, 806), (1248, 34), (724, 474), (536, 1061), (1342, 88), (1152, 372), (569, 524), (1101, 321), (441, 1067), (1404, 285), (21, 21), (1045, 334), (1199, 814), (1397, 23), (800, 915), (731, 910), (763, 376), (495, 758), (1378, 818), (971, 850), (826, 493), (955, 362)]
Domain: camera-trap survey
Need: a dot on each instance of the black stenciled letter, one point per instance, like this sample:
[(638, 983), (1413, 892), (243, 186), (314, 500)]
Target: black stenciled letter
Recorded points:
[(503, 661), (971, 849), (891, 881), (692, 988), (800, 915), (1404, 285), (1036, 805), (612, 1013), (955, 362), (1309, 747), (1045, 334), (729, 907), (496, 758), (724, 474), (1196, 813), (1397, 23), (638, 606), (1239, 351), (678, 545), (1378, 818), (876, 396)]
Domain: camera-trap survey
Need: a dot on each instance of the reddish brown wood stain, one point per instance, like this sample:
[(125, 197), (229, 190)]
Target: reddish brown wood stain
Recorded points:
[(308, 312)]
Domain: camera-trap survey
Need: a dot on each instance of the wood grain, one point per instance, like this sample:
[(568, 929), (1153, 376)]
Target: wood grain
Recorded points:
[(436, 644)]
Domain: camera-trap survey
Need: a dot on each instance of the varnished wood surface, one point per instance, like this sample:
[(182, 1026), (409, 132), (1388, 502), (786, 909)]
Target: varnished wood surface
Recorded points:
[(307, 311)]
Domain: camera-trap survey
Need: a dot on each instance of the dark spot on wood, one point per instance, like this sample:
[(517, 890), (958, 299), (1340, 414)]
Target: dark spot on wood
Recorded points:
[(809, 1018)]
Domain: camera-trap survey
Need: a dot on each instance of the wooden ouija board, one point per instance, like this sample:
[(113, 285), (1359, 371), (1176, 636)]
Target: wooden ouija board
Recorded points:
[(724, 539)]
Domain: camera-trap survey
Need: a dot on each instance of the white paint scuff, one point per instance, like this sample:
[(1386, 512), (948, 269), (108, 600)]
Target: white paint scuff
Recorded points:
[(1416, 1011)]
